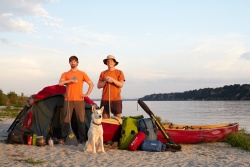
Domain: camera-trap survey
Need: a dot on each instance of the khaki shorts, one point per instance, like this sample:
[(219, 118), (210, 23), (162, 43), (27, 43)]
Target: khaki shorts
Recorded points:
[(116, 106)]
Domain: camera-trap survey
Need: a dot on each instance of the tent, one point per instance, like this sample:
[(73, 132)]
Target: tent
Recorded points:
[(46, 112)]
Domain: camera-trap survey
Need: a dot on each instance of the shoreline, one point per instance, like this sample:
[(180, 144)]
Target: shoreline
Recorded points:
[(205, 154)]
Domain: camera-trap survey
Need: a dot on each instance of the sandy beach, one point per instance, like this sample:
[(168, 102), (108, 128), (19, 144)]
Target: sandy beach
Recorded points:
[(206, 154)]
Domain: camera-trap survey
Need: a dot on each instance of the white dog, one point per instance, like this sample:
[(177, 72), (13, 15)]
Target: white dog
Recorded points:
[(95, 133)]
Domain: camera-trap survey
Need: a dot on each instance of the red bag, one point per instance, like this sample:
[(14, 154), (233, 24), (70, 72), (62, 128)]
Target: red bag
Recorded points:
[(136, 141)]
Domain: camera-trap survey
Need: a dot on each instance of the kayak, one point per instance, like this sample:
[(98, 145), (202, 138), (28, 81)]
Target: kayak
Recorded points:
[(111, 129), (198, 133), (180, 133)]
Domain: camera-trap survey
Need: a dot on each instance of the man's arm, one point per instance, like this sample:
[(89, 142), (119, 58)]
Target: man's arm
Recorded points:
[(101, 84), (116, 82), (65, 82), (91, 85)]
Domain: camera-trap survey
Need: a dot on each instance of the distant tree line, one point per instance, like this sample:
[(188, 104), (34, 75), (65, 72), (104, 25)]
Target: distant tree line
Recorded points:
[(12, 99), (231, 92), (228, 92)]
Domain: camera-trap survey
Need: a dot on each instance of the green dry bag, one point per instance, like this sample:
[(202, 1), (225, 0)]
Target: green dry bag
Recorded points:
[(129, 130)]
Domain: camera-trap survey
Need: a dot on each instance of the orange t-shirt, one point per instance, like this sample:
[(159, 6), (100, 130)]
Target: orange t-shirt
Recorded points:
[(115, 92), (75, 90)]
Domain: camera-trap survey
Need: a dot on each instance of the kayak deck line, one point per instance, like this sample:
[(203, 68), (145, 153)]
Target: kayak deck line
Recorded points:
[(197, 127)]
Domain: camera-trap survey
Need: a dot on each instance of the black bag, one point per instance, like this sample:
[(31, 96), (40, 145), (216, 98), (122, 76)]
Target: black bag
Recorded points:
[(19, 135), (148, 126)]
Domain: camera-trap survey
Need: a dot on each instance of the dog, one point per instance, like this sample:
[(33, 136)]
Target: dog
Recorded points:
[(95, 132)]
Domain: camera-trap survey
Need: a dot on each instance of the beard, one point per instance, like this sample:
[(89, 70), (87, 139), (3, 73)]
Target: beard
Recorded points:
[(73, 65)]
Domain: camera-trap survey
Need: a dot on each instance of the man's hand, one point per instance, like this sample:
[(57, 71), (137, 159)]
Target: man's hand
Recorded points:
[(109, 79), (74, 80)]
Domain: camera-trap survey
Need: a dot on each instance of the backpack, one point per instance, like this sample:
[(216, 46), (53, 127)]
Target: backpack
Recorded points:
[(129, 130), (148, 126), (19, 135)]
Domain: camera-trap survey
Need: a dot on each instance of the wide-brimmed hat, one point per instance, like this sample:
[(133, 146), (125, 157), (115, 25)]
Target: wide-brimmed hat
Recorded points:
[(110, 57)]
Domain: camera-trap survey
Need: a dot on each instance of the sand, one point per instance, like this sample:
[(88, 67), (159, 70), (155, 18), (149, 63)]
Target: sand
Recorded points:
[(206, 154)]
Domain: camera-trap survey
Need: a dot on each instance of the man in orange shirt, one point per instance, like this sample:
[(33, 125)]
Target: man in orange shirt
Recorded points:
[(111, 80), (74, 80)]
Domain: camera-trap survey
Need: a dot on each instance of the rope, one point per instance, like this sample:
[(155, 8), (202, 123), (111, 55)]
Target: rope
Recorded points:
[(109, 103)]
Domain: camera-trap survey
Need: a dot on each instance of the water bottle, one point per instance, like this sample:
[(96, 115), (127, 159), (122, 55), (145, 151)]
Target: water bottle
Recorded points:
[(51, 142), (29, 138), (34, 140)]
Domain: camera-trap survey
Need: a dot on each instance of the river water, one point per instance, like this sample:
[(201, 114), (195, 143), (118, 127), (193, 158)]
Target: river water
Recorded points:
[(194, 112)]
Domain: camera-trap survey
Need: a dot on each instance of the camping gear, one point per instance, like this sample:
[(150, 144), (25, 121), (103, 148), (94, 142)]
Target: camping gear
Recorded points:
[(47, 117), (129, 130), (19, 135), (71, 137), (171, 144), (136, 141), (34, 139), (153, 146), (148, 126), (40, 141), (47, 113), (29, 140), (191, 133), (51, 142), (17, 119), (180, 133)]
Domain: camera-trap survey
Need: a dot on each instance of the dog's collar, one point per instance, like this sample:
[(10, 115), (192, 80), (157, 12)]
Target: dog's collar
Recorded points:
[(96, 123)]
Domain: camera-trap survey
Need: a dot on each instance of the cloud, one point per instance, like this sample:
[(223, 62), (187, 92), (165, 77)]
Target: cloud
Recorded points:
[(9, 23), (84, 43), (87, 38), (27, 66), (13, 13), (31, 72), (208, 58), (5, 41), (52, 25), (245, 56), (29, 47), (219, 54)]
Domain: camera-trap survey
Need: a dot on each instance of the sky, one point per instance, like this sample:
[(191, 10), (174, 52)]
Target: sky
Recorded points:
[(162, 46)]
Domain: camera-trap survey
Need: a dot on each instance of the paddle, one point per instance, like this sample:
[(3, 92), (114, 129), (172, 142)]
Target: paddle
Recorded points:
[(71, 137), (171, 145)]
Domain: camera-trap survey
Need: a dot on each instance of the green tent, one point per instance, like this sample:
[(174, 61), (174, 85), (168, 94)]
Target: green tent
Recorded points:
[(47, 113)]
